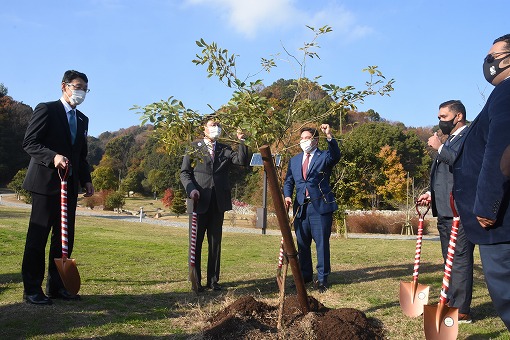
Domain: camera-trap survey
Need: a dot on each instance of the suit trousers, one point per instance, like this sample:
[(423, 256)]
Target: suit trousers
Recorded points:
[(461, 281), (313, 226), (496, 268), (210, 223), (45, 218)]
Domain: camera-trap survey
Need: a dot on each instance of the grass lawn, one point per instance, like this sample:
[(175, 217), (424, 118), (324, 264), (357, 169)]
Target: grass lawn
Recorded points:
[(134, 282)]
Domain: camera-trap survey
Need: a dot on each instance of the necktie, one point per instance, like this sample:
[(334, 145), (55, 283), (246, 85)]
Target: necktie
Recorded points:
[(305, 169), (211, 151), (72, 124), (450, 137)]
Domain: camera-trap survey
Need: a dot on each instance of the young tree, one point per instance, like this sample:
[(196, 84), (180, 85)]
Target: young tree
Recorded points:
[(16, 185), (179, 203), (249, 109)]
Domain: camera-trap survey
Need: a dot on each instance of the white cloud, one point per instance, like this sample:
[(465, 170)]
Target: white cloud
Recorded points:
[(249, 17)]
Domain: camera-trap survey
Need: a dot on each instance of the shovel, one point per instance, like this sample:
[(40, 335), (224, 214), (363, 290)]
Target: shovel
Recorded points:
[(441, 321), (413, 296), (66, 267), (193, 275)]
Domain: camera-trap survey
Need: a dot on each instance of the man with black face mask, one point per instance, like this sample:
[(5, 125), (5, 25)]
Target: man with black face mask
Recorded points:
[(452, 123), (482, 179)]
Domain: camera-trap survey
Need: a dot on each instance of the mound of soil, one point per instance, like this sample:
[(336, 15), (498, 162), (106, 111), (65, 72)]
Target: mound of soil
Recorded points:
[(247, 318)]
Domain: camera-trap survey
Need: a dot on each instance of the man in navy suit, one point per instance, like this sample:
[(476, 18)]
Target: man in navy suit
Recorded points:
[(56, 139), (452, 122), (481, 179), (205, 176), (309, 173)]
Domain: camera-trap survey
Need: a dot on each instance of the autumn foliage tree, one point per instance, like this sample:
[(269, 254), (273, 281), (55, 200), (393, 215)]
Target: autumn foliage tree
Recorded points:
[(168, 197), (393, 185)]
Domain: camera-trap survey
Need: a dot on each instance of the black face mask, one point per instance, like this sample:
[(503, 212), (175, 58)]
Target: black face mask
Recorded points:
[(446, 126), (491, 67)]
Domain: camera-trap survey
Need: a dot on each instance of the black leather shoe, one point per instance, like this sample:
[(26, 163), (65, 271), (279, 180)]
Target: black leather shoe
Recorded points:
[(200, 289), (63, 294), (215, 286), (322, 286), (37, 299)]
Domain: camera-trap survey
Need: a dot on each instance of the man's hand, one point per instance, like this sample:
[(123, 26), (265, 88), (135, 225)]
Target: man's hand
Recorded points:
[(325, 128), (485, 222), (240, 134), (89, 190), (424, 199), (60, 162), (434, 141), (194, 194), (288, 202)]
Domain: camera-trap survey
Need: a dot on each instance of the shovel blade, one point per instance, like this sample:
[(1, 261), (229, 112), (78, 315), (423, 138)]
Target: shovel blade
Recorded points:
[(412, 298), (440, 322), (69, 274)]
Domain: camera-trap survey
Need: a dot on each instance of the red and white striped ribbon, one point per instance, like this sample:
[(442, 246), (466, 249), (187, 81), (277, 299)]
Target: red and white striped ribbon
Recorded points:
[(449, 260), (193, 244), (280, 257), (417, 255), (63, 215)]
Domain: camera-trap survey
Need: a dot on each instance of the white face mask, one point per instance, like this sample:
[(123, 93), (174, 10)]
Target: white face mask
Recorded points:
[(77, 97), (306, 145), (214, 132)]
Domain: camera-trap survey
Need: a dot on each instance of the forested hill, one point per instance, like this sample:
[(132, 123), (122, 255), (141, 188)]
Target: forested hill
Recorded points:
[(377, 155)]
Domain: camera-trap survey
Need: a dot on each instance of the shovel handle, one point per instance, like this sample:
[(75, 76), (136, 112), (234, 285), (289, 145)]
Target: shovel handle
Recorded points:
[(443, 299), (63, 174), (424, 210), (419, 238)]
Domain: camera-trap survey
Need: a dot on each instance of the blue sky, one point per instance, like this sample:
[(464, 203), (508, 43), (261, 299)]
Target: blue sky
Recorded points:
[(139, 52)]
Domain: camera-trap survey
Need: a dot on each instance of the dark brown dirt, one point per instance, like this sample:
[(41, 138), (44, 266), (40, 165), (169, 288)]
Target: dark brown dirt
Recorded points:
[(247, 318)]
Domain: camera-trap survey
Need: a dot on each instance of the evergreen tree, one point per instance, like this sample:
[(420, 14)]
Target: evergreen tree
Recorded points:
[(179, 203)]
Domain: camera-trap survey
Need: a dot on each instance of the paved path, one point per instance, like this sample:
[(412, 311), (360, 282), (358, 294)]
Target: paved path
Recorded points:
[(185, 225)]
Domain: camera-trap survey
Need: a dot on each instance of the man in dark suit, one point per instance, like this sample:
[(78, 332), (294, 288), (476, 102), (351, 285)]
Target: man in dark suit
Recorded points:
[(205, 176), (56, 139), (309, 173), (481, 179), (452, 122)]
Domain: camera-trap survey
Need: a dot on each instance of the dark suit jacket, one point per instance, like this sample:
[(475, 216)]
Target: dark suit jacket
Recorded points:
[(317, 179), (482, 170), (441, 176), (199, 172), (47, 135)]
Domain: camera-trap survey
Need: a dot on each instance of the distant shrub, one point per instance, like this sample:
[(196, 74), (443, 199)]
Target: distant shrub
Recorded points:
[(168, 197), (381, 222), (115, 200), (92, 201)]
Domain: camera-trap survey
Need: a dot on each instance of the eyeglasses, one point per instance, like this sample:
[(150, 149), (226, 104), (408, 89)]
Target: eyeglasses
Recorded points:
[(77, 87), (491, 57)]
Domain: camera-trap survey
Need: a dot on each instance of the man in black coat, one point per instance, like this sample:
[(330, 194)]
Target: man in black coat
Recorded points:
[(452, 122), (56, 140), (482, 179), (205, 176)]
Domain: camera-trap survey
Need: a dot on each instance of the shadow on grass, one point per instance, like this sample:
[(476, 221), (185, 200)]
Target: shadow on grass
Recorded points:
[(95, 314), (16, 214), (9, 279)]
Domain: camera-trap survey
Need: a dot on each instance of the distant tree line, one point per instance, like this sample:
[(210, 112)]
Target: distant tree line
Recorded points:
[(377, 155)]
